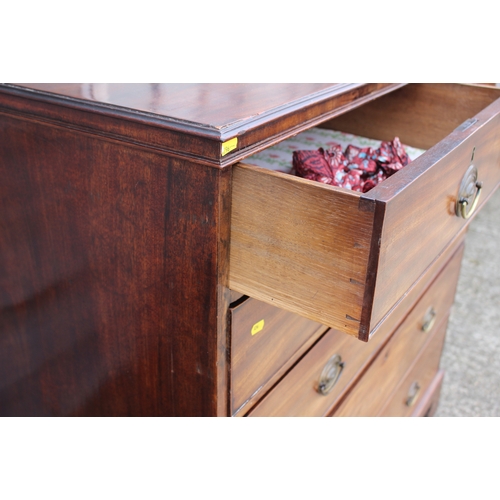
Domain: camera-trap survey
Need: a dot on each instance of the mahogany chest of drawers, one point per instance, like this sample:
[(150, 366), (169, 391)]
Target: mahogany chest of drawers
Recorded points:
[(149, 268)]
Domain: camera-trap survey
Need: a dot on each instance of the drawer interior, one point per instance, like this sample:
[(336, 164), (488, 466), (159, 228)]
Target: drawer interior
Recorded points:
[(343, 258), (421, 115)]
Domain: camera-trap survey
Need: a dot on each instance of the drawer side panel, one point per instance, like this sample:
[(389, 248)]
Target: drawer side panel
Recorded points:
[(299, 245)]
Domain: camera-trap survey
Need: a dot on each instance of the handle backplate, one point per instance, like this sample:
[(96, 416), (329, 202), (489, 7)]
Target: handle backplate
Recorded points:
[(330, 374), (468, 193)]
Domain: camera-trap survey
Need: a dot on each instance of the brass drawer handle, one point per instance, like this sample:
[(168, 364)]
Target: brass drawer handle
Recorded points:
[(413, 394), (330, 374), (429, 319), (463, 203), (470, 188)]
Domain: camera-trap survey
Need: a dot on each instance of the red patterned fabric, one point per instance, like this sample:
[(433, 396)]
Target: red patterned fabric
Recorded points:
[(359, 169)]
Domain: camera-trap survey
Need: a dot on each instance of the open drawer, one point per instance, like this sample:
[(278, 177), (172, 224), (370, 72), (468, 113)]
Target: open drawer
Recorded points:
[(346, 259)]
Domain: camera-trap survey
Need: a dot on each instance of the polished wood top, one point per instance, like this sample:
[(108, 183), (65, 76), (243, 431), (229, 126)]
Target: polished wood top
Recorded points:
[(190, 120), (215, 105)]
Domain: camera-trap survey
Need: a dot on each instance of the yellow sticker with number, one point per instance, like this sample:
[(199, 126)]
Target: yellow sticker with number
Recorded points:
[(257, 327), (229, 146)]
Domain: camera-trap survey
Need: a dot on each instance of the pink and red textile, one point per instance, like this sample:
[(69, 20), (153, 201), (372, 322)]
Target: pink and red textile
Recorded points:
[(359, 169)]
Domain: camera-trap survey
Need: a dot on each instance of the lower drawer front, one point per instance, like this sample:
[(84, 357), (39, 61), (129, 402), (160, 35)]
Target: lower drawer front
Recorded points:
[(383, 377), (413, 388), (428, 404), (300, 393), (264, 341)]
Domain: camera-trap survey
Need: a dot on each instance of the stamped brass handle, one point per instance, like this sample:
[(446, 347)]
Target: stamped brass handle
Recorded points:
[(330, 374), (429, 319), (468, 193), (413, 394)]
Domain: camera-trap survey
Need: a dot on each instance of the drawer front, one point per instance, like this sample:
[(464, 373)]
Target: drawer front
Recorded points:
[(399, 312), (346, 259), (420, 204), (397, 357), (299, 393), (265, 340), (415, 385), (429, 402)]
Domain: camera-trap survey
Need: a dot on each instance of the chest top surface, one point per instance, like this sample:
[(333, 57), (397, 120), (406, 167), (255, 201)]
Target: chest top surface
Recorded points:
[(216, 105), (257, 114)]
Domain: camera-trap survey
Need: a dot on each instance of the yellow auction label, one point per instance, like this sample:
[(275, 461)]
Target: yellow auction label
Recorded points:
[(229, 146), (257, 327)]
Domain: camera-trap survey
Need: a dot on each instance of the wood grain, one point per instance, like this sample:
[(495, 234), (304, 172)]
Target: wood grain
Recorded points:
[(421, 115), (190, 121), (413, 215), (222, 212), (115, 240), (258, 358), (299, 245), (401, 308), (424, 371), (109, 278), (397, 357), (296, 394), (213, 104), (420, 219), (117, 252)]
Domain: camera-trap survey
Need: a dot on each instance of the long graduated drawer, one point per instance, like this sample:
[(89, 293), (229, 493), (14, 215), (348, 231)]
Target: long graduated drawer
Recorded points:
[(346, 259), (363, 376)]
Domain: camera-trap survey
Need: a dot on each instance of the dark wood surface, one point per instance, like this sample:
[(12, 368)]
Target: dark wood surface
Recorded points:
[(115, 237), (114, 243), (112, 259), (216, 105), (191, 121)]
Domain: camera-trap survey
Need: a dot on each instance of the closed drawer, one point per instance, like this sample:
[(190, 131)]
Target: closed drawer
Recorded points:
[(346, 259), (413, 388), (429, 402), (297, 395), (265, 340), (380, 367), (398, 356)]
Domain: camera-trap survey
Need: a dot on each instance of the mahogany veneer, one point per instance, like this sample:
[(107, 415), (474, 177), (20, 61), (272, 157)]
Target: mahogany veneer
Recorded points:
[(127, 229)]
